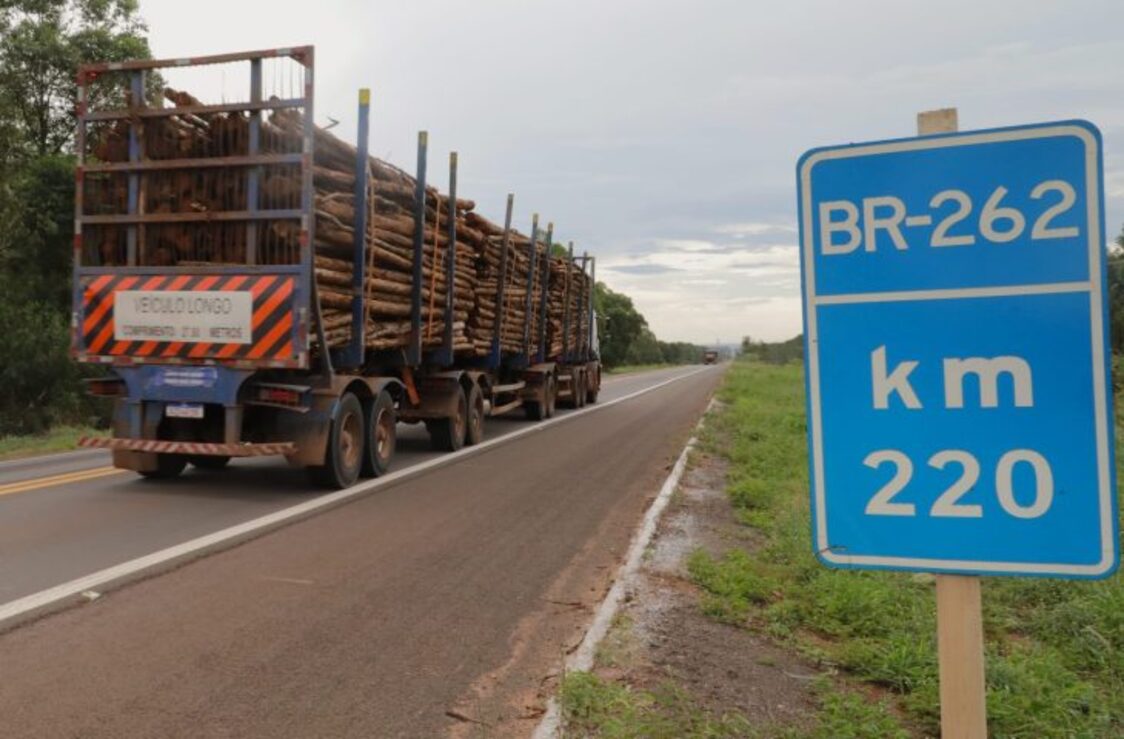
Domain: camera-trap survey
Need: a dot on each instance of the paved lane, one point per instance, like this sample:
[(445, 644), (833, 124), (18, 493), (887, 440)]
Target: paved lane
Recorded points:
[(68, 515), (372, 619)]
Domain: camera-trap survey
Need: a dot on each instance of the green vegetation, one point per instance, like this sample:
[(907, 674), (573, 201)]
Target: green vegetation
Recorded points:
[(1055, 649), (626, 339), (1115, 278), (594, 707), (599, 708), (61, 438), (773, 353), (40, 385), (42, 42)]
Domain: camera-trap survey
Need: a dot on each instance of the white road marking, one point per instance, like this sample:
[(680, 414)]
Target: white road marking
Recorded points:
[(582, 659), (53, 598)]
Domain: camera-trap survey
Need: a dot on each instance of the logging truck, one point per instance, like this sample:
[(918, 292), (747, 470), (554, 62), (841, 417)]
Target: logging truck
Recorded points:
[(257, 286)]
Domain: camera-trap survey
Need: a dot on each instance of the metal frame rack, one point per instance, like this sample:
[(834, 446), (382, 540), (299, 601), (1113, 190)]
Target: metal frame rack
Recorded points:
[(135, 268)]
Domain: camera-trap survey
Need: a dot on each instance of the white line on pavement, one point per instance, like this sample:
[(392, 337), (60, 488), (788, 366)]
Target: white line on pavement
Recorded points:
[(30, 606), (582, 659)]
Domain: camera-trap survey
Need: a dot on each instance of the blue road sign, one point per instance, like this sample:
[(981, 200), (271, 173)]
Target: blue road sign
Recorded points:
[(955, 323)]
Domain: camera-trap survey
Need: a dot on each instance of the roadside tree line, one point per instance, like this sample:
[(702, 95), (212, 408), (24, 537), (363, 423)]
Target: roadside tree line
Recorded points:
[(626, 339), (42, 42)]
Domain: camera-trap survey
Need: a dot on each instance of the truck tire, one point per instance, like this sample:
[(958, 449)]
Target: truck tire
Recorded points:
[(577, 399), (551, 396), (344, 457), (381, 435), (593, 387), (208, 461), (532, 409), (474, 429), (447, 434), (537, 410), (167, 467)]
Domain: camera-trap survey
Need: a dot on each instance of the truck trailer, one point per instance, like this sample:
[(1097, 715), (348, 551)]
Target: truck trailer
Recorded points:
[(258, 286)]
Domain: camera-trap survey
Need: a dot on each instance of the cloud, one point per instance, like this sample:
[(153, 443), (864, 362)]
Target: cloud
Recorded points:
[(643, 269), (741, 230), (668, 151)]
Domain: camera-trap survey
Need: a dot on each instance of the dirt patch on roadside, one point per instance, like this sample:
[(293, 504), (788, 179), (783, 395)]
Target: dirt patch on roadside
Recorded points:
[(661, 636)]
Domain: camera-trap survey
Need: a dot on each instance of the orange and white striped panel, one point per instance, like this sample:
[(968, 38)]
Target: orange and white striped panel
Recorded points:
[(188, 317)]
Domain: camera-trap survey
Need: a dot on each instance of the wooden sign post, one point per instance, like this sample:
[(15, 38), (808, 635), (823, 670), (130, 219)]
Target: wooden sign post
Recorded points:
[(960, 648)]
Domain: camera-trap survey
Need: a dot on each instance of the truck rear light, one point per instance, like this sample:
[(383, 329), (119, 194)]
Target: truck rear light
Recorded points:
[(279, 396), (106, 387)]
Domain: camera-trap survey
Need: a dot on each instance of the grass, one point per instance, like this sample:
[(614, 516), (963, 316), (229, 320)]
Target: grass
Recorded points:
[(628, 369), (593, 707), (1055, 649), (58, 439)]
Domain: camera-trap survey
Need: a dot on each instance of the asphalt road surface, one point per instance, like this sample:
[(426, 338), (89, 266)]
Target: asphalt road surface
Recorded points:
[(372, 619)]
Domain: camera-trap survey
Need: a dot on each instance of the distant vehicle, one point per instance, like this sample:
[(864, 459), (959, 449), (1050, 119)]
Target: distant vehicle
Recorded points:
[(710, 357), (219, 275)]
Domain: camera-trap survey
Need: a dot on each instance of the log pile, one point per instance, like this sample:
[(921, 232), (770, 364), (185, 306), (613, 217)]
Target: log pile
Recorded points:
[(388, 241), (389, 250), (513, 316), (569, 307)]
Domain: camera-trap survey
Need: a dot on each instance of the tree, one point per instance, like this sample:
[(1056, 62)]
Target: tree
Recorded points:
[(1115, 280), (618, 324), (644, 349), (42, 42), (37, 224)]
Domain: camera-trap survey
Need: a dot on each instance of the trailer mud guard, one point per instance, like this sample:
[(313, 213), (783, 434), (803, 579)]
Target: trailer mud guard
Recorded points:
[(309, 431)]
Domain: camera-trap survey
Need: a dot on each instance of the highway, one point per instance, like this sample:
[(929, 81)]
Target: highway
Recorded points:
[(450, 593)]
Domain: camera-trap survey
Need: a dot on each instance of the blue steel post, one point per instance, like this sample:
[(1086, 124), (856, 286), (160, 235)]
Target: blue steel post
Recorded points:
[(545, 298), (530, 288), (592, 289), (501, 287), (583, 326), (355, 354), (566, 305), (253, 174), (415, 353), (451, 260), (136, 90), (308, 221)]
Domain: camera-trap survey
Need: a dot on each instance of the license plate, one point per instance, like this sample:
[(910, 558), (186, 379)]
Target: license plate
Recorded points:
[(184, 410)]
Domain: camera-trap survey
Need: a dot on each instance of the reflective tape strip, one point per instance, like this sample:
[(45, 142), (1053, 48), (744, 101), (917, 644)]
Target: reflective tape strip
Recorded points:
[(159, 446)]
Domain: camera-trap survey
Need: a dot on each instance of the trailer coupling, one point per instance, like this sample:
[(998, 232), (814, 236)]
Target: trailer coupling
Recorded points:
[(189, 447)]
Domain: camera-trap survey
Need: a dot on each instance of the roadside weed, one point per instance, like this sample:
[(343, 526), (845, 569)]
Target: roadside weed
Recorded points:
[(1055, 649)]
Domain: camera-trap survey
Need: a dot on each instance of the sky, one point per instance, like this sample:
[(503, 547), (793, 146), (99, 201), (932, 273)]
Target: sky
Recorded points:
[(663, 136)]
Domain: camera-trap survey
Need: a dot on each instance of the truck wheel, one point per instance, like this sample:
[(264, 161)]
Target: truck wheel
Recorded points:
[(578, 395), (551, 396), (593, 387), (167, 467), (474, 431), (208, 461), (537, 410), (447, 434), (344, 456), (382, 428)]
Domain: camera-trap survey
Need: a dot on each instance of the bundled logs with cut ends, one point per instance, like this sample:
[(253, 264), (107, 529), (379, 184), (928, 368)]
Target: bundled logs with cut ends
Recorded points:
[(475, 270)]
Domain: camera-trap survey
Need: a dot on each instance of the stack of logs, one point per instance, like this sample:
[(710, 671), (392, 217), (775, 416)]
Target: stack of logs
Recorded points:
[(389, 238), (568, 308)]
